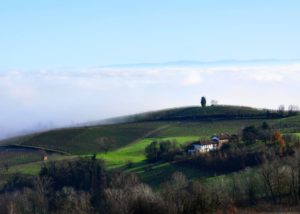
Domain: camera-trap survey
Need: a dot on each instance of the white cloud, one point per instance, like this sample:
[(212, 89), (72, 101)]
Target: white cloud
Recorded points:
[(17, 87), (267, 77), (192, 78), (92, 94)]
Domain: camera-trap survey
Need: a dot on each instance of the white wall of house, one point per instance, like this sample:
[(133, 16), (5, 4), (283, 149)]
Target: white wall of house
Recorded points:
[(201, 148)]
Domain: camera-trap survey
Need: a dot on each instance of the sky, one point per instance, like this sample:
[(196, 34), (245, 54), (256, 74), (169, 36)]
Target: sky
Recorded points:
[(68, 62)]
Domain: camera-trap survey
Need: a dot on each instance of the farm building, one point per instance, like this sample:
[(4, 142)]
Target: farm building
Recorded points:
[(215, 143), (202, 147), (43, 154)]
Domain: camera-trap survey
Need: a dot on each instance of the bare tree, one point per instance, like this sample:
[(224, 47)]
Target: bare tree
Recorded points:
[(4, 161), (70, 201), (274, 176), (281, 110), (293, 109), (213, 102), (42, 188)]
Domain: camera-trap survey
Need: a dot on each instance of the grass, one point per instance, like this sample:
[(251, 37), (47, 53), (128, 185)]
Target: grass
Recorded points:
[(134, 153), (30, 167), (289, 125), (125, 143), (297, 134), (15, 158), (153, 174), (95, 139), (206, 129), (196, 112), (102, 138)]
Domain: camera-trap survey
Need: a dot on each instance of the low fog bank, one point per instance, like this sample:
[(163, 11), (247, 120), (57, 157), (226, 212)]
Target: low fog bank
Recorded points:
[(40, 100), (10, 132)]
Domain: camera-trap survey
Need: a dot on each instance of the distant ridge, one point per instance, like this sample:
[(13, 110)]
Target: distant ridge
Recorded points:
[(187, 63)]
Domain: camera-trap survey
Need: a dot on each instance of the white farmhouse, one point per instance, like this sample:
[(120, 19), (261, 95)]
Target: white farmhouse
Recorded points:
[(215, 143), (202, 147)]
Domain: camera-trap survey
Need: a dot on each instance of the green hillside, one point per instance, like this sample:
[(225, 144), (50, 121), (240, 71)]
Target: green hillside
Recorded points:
[(177, 122), (122, 145), (219, 112), (97, 139), (134, 153), (289, 124), (88, 140)]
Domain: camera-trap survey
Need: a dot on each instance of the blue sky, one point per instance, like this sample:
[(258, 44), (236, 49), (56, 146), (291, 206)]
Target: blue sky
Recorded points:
[(56, 57), (56, 34)]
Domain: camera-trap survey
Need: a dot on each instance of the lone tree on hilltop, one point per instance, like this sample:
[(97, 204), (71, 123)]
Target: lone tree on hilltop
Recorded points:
[(203, 101)]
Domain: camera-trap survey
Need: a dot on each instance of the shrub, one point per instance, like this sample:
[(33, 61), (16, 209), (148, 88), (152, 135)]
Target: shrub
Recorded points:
[(165, 150), (250, 134)]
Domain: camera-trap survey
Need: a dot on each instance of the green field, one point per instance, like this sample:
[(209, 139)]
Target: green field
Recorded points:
[(88, 140), (103, 138), (26, 162), (206, 129), (152, 174), (31, 165), (15, 158), (28, 169), (289, 124), (122, 146), (134, 153), (99, 139)]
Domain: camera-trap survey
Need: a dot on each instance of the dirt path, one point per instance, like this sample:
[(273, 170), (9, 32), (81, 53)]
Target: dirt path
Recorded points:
[(152, 132)]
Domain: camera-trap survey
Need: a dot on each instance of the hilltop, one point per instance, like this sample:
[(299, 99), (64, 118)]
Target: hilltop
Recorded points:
[(196, 113)]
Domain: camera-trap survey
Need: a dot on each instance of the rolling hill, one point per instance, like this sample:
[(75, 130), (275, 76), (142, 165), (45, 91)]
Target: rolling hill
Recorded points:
[(177, 122), (122, 142), (196, 113)]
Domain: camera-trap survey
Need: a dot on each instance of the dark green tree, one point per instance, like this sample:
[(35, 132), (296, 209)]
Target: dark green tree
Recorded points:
[(250, 134), (265, 125), (203, 101), (152, 151)]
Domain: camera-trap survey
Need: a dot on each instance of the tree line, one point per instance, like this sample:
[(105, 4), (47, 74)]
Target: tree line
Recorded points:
[(84, 186)]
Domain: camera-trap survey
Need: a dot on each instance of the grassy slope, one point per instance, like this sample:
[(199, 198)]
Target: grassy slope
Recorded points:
[(153, 174), (89, 140), (195, 113), (15, 158), (134, 153), (183, 132), (26, 166), (205, 129), (289, 124), (95, 139), (126, 142)]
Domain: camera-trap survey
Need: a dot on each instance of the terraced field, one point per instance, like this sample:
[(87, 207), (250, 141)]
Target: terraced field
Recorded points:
[(101, 139), (205, 129), (122, 145), (89, 140)]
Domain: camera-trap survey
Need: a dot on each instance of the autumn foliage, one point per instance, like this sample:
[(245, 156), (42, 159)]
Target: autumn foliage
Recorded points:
[(280, 141)]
